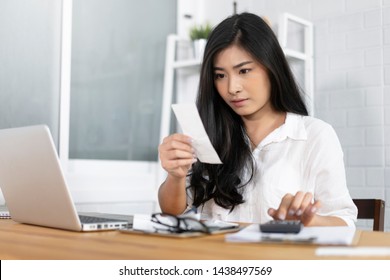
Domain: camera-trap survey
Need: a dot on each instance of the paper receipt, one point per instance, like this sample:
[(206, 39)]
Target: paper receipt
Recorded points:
[(188, 117)]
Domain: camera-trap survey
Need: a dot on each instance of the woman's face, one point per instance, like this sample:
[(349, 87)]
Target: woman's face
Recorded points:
[(242, 82)]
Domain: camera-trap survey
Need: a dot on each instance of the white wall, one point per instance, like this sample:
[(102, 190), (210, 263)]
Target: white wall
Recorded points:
[(351, 88), (352, 78)]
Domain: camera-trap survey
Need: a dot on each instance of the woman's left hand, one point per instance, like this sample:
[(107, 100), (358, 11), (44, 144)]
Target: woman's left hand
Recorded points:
[(296, 207)]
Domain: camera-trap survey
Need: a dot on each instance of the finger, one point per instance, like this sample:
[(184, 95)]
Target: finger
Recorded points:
[(175, 154), (284, 206), (272, 212), (176, 159), (306, 201), (310, 212), (174, 149), (183, 164), (296, 203), (177, 137), (175, 144)]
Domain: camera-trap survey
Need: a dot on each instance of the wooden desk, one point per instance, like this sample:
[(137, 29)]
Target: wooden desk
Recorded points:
[(19, 241)]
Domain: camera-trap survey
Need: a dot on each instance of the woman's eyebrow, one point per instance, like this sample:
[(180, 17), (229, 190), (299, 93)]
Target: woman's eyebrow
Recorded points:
[(242, 64), (234, 67), (218, 68)]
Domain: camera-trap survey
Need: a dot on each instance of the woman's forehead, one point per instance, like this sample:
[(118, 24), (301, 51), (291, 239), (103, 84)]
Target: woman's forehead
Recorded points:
[(232, 55)]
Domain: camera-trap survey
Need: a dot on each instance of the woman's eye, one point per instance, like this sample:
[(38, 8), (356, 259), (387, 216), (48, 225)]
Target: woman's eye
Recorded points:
[(244, 71), (218, 76)]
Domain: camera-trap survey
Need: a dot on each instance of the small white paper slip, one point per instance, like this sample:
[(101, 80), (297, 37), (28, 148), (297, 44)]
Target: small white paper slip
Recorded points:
[(354, 251), (188, 117)]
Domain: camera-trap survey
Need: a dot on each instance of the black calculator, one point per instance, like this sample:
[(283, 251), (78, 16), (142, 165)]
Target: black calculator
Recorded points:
[(277, 226)]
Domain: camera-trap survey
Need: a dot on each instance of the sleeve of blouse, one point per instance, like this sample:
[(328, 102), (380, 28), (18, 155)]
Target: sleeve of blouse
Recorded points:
[(327, 167)]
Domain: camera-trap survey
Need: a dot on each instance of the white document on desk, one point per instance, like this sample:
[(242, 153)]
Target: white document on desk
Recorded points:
[(144, 221), (361, 251), (312, 235), (188, 117)]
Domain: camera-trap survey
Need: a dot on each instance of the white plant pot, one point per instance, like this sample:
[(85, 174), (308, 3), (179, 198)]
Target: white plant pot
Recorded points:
[(199, 46)]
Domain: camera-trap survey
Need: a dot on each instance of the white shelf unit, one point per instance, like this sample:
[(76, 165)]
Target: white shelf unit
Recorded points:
[(305, 56), (171, 65)]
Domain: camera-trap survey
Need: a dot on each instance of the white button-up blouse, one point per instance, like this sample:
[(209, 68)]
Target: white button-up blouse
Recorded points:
[(304, 154)]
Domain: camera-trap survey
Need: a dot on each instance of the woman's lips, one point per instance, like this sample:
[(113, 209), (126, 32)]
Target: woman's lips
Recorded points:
[(239, 102)]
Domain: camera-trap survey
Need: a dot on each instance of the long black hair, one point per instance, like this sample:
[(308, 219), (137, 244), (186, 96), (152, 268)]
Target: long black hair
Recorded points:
[(224, 182)]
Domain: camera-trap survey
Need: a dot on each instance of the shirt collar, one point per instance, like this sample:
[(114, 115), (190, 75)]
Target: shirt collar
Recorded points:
[(293, 128)]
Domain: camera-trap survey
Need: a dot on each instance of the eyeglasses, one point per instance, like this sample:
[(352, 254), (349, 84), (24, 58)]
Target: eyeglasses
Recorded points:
[(177, 224)]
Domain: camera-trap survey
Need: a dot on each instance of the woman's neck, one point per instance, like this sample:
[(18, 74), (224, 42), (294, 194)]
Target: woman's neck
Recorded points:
[(259, 128)]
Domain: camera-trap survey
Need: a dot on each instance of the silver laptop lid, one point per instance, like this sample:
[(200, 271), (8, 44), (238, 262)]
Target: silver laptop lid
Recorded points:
[(31, 179)]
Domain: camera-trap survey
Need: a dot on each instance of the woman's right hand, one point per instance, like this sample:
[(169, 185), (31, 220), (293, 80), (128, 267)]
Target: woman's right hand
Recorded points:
[(176, 155)]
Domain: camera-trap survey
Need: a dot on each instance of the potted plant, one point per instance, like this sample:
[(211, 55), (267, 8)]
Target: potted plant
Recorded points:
[(199, 35)]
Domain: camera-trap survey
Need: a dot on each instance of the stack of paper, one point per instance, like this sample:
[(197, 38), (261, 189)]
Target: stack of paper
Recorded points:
[(142, 224), (314, 235)]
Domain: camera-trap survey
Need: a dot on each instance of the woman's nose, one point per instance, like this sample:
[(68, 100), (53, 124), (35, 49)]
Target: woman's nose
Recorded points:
[(234, 86)]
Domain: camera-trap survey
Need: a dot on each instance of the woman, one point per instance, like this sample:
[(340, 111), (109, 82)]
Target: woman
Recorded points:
[(278, 163)]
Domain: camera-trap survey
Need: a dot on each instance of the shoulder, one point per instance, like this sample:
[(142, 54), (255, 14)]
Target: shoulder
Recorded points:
[(314, 125), (311, 125), (313, 130), (320, 135)]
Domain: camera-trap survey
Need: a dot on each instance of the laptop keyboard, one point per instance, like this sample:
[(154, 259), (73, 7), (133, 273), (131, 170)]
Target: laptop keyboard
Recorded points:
[(96, 220)]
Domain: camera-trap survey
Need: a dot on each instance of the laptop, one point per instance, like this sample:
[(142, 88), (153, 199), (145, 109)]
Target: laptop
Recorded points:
[(33, 184)]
